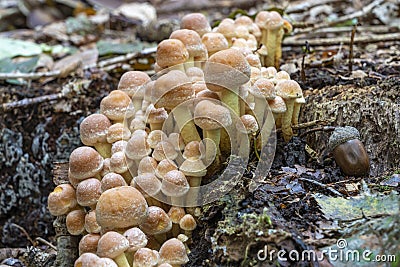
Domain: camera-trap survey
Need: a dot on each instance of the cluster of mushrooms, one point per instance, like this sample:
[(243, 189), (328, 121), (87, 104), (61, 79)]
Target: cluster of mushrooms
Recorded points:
[(145, 153)]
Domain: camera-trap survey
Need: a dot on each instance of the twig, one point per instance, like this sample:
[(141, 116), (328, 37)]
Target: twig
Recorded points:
[(31, 101), (322, 185), (44, 241), (303, 72), (30, 75), (345, 18), (24, 232), (353, 33), (373, 38), (127, 57), (323, 128), (311, 124)]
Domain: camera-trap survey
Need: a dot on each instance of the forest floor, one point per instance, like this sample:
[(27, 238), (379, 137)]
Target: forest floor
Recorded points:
[(305, 203)]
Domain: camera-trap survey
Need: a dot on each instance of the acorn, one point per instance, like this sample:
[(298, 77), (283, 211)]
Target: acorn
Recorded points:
[(348, 151)]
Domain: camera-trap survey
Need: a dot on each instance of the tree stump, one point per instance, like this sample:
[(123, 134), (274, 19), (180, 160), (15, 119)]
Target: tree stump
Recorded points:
[(374, 110)]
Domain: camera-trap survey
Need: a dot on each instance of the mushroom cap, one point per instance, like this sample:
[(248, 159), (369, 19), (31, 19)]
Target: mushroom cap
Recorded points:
[(164, 150), (226, 69), (118, 162), (112, 244), (165, 166), (249, 122), (137, 146), (254, 61), (341, 135), (118, 146), (88, 243), (171, 52), (173, 251), (288, 89), (155, 137), (193, 168), (75, 222), (137, 239), (93, 129), (300, 100), (147, 184), (172, 89), (91, 225), (206, 93), (211, 116), (87, 260), (117, 106), (176, 213), (121, 207), (227, 28), (62, 199), (137, 124), (262, 18), (192, 150), (174, 184), (133, 83), (277, 105), (187, 223), (157, 222), (85, 162), (195, 74), (117, 132), (88, 192), (263, 88), (106, 262), (214, 41), (281, 75), (145, 257), (191, 39), (106, 167), (244, 21), (157, 115), (147, 165), (111, 180), (269, 72), (196, 22), (275, 21)]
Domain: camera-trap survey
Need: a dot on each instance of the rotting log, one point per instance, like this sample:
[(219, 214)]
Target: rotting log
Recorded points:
[(374, 110), (67, 245)]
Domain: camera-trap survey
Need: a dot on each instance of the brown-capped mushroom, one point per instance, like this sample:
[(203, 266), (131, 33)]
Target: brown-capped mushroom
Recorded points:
[(111, 180), (75, 222), (214, 42), (93, 132), (88, 192), (113, 245), (145, 257), (175, 185), (176, 214), (173, 251), (196, 22), (91, 225), (192, 41), (88, 243), (62, 200), (171, 53), (117, 106), (133, 83), (157, 223), (188, 224), (85, 162)]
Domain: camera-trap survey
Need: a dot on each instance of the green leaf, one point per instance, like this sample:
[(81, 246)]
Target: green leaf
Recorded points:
[(108, 48), (10, 48), (8, 66)]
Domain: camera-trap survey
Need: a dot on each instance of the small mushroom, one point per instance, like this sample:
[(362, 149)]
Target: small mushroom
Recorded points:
[(113, 245), (149, 185), (175, 185), (117, 106), (262, 90), (214, 42), (157, 223), (88, 192), (188, 224), (227, 28), (121, 207), (289, 90), (91, 225), (62, 200), (137, 239), (86, 260), (348, 151), (173, 251), (85, 162), (196, 22), (192, 41), (171, 53), (298, 102), (176, 214), (133, 83), (145, 257), (75, 222), (111, 180), (93, 132), (88, 243)]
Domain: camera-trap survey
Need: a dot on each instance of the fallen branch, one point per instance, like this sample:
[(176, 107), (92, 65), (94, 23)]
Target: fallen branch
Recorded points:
[(30, 101), (373, 38), (30, 75), (330, 189)]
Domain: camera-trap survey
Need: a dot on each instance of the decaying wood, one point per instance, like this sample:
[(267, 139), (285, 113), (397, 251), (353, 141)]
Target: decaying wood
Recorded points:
[(67, 245), (373, 110)]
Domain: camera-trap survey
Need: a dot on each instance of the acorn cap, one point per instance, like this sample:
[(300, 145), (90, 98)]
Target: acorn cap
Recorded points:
[(121, 207), (196, 22), (173, 251), (85, 162), (93, 129), (111, 245), (117, 106), (341, 135), (157, 222)]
